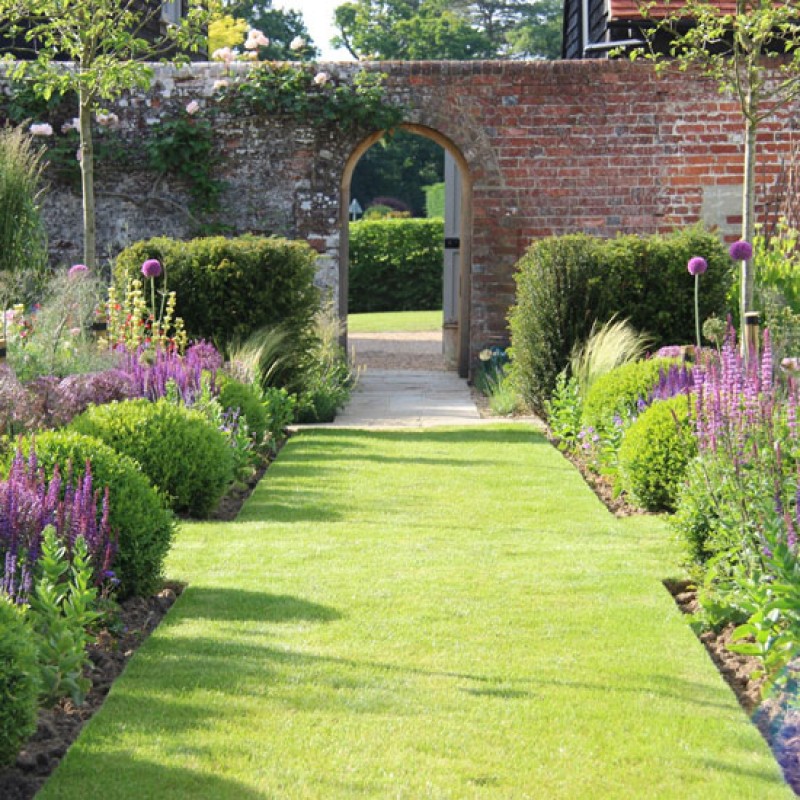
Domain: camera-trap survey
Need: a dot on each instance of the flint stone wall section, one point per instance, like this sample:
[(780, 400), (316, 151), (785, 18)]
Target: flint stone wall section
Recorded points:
[(551, 148)]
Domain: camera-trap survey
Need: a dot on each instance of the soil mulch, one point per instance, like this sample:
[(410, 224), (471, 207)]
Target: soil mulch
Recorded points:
[(138, 617)]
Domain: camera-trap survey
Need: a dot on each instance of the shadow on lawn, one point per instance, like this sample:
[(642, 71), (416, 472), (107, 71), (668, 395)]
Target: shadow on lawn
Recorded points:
[(147, 780), (239, 605)]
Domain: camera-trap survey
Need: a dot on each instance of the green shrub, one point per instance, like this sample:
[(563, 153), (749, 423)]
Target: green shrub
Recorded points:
[(645, 280), (280, 407), (434, 199), (655, 453), (697, 520), (143, 524), (558, 300), (227, 288), (396, 265), (567, 283), (19, 682), (245, 397), (177, 449), (617, 393)]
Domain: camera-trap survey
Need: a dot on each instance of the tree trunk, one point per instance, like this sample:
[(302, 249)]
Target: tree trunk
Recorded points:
[(748, 213), (87, 181)]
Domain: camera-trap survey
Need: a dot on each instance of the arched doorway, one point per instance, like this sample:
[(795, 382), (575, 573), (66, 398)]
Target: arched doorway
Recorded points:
[(463, 241)]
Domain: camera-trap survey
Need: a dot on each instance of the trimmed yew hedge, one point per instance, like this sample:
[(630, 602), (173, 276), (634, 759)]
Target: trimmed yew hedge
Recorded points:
[(396, 265), (229, 287), (566, 283)]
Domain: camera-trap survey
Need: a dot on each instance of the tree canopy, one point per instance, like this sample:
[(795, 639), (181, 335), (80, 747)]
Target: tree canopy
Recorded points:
[(282, 28), (449, 29)]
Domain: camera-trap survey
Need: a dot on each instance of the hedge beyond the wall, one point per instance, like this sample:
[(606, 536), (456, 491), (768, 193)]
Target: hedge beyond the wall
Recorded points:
[(396, 265), (229, 288)]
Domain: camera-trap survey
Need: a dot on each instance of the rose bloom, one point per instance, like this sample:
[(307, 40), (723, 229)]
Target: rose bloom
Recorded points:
[(77, 269), (193, 107), (220, 84), (223, 54), (255, 39), (41, 129), (298, 43), (321, 78)]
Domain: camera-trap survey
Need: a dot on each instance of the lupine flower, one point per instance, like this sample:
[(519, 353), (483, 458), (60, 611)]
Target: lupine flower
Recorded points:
[(41, 129), (697, 265), (741, 251), (151, 268)]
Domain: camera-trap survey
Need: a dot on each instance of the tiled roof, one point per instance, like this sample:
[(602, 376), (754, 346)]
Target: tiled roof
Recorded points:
[(631, 9)]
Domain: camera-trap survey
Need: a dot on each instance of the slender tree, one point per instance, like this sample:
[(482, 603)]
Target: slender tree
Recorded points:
[(96, 49), (753, 55)]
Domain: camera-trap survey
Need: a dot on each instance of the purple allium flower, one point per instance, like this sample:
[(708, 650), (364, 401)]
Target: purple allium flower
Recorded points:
[(697, 265), (77, 269), (741, 251), (151, 268)]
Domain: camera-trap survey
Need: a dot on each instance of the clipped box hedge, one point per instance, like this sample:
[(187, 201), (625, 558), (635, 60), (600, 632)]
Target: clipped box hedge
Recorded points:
[(229, 287), (566, 283), (396, 265)]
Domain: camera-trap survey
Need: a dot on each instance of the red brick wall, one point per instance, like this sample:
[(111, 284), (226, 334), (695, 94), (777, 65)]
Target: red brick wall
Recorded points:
[(597, 146)]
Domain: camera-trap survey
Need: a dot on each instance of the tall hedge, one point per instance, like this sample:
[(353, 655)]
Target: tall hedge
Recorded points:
[(566, 283), (396, 265), (230, 287)]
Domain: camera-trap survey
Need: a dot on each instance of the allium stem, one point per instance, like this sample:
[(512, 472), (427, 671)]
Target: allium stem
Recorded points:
[(697, 309)]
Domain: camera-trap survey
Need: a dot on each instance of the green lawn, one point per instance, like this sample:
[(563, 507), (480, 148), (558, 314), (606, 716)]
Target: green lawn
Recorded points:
[(395, 321), (425, 614)]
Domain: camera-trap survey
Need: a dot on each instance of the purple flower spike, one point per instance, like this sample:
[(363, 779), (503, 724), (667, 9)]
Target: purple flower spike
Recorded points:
[(741, 251), (697, 265), (77, 269), (151, 268)]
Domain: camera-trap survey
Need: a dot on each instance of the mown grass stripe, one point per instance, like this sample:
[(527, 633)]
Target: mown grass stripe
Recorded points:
[(426, 614)]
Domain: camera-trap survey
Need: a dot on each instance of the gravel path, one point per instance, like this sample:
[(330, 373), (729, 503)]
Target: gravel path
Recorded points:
[(398, 351)]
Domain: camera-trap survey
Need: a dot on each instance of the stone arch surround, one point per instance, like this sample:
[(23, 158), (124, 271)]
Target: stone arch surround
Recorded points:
[(549, 147)]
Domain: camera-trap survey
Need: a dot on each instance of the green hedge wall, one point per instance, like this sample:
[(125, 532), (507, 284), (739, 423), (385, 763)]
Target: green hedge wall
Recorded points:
[(396, 265), (566, 283), (229, 288)]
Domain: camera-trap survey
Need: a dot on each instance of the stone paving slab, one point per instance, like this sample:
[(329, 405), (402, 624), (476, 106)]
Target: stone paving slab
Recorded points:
[(411, 399)]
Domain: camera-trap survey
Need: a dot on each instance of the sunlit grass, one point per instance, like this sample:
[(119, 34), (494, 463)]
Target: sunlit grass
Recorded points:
[(395, 321), (427, 614)]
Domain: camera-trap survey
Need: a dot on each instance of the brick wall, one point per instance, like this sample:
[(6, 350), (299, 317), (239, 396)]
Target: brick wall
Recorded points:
[(596, 146)]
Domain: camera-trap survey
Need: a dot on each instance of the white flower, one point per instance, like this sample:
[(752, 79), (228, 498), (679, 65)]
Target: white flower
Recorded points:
[(193, 107), (255, 39), (69, 126), (108, 120), (41, 129), (220, 84), (298, 43), (223, 54), (321, 78)]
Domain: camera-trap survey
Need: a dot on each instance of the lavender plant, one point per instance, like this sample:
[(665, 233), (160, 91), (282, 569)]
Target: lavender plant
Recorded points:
[(29, 504), (748, 463)]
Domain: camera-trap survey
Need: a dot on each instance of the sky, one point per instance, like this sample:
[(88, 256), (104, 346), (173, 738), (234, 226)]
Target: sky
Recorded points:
[(318, 16)]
